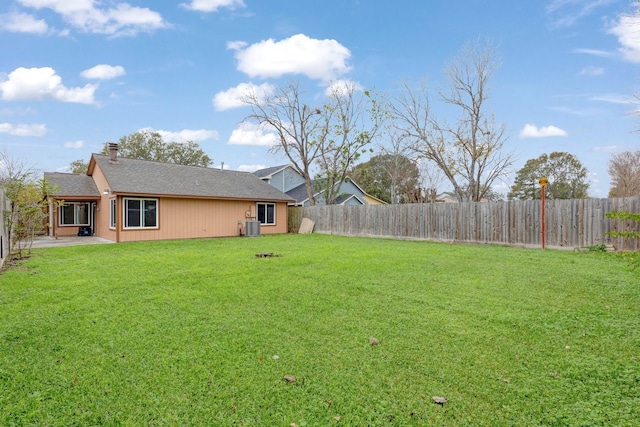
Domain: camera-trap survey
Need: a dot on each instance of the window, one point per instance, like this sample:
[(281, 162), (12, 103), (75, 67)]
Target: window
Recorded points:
[(75, 213), (112, 213), (140, 213), (267, 213)]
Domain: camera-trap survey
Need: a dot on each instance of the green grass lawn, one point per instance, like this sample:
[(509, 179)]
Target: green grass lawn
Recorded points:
[(201, 332)]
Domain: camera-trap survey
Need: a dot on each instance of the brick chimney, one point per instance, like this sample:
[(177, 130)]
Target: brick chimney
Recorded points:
[(113, 153)]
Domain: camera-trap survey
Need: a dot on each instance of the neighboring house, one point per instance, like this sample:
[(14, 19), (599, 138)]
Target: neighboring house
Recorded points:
[(447, 197), (373, 200), (124, 200), (286, 179)]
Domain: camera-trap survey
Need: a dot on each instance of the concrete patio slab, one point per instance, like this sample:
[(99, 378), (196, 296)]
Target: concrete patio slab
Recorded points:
[(50, 242)]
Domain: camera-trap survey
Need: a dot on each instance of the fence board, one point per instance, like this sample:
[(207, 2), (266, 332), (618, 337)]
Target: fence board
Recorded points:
[(568, 223)]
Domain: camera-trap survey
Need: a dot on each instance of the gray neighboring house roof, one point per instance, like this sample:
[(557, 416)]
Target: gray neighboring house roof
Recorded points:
[(267, 172), (344, 198), (299, 194), (133, 176), (73, 185)]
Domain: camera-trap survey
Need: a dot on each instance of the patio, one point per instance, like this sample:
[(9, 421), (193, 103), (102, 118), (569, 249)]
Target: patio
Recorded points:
[(51, 242)]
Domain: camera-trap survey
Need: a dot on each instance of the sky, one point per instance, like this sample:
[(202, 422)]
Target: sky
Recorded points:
[(75, 74)]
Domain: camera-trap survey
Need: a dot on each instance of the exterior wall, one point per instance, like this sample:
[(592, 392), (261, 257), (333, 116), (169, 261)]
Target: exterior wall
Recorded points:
[(286, 179), (349, 187), (198, 218), (57, 230), (353, 201), (292, 179), (66, 230), (101, 227), (373, 201)]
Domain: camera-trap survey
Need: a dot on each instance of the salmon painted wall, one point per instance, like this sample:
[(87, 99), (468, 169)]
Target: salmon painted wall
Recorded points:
[(180, 218), (58, 230), (101, 227), (62, 231)]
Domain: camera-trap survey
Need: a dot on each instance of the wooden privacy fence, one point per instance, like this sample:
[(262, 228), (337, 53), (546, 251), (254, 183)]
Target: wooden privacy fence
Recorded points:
[(4, 231), (568, 223)]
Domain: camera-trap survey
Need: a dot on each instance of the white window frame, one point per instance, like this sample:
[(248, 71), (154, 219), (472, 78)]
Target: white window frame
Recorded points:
[(112, 213), (76, 214), (142, 226), (264, 221)]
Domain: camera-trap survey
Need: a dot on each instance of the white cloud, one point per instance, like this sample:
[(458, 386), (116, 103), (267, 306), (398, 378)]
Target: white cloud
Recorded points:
[(317, 59), (531, 131), (565, 13), (606, 149), (212, 5), (43, 83), (74, 144), (341, 88), (22, 23), (103, 72), (232, 98), (185, 135), (614, 98), (23, 129), (250, 168), (236, 45), (17, 111), (252, 134), (122, 19), (626, 29), (591, 71), (595, 52)]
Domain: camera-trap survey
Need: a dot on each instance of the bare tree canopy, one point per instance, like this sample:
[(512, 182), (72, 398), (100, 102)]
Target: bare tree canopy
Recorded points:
[(353, 119), (624, 170), (300, 129), (331, 136), (470, 152), (27, 197), (393, 178)]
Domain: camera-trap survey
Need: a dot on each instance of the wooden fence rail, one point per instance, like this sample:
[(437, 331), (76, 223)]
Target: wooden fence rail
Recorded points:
[(568, 223)]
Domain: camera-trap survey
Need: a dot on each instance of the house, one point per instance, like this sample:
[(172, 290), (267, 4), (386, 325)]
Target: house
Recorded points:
[(286, 179), (124, 200), (447, 197)]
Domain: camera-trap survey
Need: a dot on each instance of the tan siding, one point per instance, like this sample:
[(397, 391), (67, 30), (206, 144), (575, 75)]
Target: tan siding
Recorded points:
[(198, 218), (102, 207), (281, 220), (66, 231)]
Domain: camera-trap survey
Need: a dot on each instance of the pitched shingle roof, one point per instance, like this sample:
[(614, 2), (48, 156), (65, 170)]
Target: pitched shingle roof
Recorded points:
[(299, 193), (133, 176), (72, 185), (267, 172)]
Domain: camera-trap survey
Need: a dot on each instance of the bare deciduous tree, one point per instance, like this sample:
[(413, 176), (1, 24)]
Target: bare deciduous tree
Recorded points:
[(300, 129), (401, 170), (624, 170), (431, 177), (469, 152), (353, 119), (27, 198)]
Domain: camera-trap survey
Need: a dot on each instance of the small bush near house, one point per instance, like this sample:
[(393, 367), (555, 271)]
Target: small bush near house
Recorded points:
[(203, 332)]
